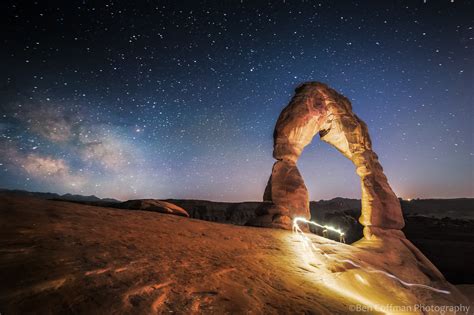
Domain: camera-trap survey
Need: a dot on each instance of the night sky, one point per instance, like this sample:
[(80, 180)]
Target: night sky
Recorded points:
[(167, 100)]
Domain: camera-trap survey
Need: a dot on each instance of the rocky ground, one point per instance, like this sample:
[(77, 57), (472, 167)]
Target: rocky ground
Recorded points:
[(62, 257), (442, 228)]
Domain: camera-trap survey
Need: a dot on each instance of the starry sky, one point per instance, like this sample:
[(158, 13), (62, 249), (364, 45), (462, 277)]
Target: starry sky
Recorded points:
[(171, 99)]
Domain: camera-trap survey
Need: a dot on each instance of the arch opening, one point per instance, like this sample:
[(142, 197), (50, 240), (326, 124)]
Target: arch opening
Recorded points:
[(333, 189), (327, 173)]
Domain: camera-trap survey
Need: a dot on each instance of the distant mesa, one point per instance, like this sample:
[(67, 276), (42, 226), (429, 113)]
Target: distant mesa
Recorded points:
[(317, 109), (55, 196), (152, 205)]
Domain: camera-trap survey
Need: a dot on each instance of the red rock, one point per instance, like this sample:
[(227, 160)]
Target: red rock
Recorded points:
[(318, 109), (60, 257), (153, 205)]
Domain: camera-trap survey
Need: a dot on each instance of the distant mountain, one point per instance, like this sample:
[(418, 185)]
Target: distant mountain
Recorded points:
[(48, 195)]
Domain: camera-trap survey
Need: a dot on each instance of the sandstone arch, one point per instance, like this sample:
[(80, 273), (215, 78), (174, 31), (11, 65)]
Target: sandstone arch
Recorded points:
[(317, 109)]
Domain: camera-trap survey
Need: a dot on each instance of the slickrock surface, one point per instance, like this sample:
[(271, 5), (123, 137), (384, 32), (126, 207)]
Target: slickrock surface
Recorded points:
[(66, 258)]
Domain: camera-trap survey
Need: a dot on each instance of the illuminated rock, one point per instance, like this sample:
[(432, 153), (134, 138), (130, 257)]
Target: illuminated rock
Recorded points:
[(378, 273), (318, 109)]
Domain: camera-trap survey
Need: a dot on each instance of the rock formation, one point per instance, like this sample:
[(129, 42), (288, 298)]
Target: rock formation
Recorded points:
[(152, 205), (318, 109)]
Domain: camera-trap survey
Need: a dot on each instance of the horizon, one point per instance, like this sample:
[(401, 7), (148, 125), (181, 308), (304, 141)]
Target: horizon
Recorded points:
[(182, 102), (224, 201)]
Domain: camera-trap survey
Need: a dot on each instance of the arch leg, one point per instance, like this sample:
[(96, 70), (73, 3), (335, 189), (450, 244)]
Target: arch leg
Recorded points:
[(380, 206)]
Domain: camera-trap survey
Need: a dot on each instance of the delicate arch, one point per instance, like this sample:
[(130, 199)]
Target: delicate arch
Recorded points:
[(318, 109)]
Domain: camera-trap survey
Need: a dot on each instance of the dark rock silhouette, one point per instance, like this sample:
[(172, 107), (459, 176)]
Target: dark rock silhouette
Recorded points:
[(49, 195)]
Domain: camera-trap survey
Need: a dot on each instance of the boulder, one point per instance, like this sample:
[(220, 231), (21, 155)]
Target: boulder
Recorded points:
[(153, 205)]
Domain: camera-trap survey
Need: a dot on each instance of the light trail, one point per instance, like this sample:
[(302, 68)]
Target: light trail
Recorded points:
[(324, 227), (308, 243)]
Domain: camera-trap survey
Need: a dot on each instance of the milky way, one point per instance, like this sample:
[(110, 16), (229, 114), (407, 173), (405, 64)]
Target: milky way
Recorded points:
[(125, 100)]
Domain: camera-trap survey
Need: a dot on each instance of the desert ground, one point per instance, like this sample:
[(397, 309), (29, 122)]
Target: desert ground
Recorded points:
[(62, 257)]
